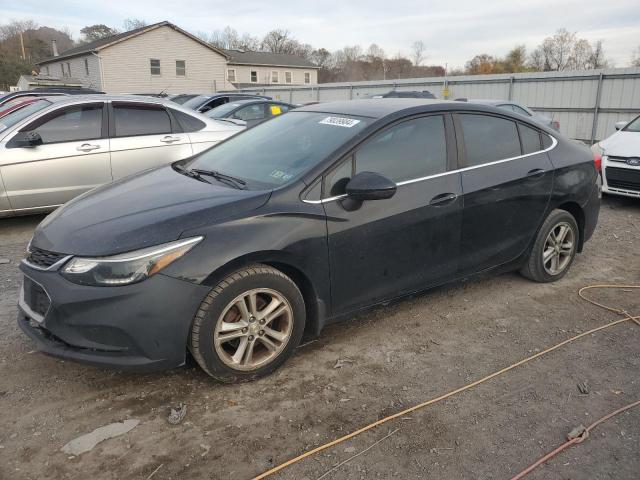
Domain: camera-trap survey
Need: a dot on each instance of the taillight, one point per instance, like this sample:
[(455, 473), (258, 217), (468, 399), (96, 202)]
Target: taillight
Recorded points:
[(556, 124), (597, 161)]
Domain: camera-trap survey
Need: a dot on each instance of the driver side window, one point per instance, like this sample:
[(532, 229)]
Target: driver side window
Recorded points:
[(406, 151), (72, 124)]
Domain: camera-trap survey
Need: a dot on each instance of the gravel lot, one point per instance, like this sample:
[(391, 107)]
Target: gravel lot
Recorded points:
[(388, 359)]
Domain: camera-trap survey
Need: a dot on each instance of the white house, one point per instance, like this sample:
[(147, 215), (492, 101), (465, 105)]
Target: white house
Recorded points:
[(164, 58)]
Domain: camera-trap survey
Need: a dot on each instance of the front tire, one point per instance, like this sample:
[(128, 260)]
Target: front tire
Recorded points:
[(554, 249), (248, 325)]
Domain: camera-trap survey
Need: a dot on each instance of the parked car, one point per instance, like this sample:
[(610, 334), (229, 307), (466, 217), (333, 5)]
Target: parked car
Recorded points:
[(13, 97), (204, 103), (620, 155), (181, 98), (56, 148), (404, 94), (9, 107), (305, 219), (250, 111), (519, 109)]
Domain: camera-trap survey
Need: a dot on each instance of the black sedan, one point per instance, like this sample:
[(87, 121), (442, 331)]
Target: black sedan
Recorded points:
[(249, 112), (235, 253), (204, 103)]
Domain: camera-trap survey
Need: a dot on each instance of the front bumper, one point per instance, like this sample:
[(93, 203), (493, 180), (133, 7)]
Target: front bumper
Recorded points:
[(619, 178), (144, 326)]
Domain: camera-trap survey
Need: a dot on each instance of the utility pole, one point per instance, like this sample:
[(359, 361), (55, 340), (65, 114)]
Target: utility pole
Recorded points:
[(22, 46)]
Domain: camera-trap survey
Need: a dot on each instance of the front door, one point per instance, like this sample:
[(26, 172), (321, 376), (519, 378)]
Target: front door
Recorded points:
[(391, 247), (73, 158), (143, 136), (506, 189)]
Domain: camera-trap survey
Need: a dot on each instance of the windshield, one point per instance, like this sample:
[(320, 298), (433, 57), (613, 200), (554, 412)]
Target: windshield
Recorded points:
[(633, 126), (16, 116), (223, 110), (195, 102), (276, 152)]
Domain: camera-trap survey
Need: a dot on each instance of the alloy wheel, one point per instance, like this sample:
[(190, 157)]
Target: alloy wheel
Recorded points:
[(253, 329), (558, 248)]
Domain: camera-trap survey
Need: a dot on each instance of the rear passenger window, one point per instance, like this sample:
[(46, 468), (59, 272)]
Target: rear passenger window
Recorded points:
[(530, 139), (132, 120), (412, 149), (188, 122), (487, 138), (546, 141)]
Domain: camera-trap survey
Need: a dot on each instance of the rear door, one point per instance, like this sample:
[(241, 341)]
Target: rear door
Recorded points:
[(386, 248), (73, 158), (507, 182), (144, 136)]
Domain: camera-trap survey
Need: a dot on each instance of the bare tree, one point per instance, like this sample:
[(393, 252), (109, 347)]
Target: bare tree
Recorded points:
[(133, 23), (635, 60), (278, 41), (564, 51), (96, 32), (418, 49)]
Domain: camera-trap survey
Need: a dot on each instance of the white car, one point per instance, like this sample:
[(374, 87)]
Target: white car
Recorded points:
[(56, 148), (621, 160)]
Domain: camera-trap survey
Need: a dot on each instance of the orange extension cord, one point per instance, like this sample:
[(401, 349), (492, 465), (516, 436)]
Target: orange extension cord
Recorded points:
[(469, 386)]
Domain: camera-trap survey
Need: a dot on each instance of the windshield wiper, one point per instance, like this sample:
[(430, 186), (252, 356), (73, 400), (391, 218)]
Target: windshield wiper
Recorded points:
[(230, 180), (190, 173)]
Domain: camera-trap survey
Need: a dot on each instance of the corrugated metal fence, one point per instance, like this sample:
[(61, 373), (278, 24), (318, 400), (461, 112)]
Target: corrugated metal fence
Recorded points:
[(586, 103)]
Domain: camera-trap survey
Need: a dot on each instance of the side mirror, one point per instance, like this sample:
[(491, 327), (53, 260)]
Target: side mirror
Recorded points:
[(27, 140), (620, 125), (370, 186)]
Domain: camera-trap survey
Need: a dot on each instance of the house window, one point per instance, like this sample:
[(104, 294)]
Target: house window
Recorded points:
[(47, 69), (62, 69), (274, 77), (254, 76), (287, 77), (68, 69), (231, 74), (307, 77), (86, 67), (181, 68), (155, 66)]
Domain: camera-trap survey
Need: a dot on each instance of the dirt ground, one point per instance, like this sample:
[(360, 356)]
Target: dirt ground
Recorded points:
[(369, 367)]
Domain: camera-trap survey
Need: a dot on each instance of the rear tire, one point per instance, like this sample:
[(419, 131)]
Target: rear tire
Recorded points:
[(248, 325), (554, 249)]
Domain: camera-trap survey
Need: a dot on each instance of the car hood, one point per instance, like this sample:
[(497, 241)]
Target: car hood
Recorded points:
[(622, 144), (143, 210)]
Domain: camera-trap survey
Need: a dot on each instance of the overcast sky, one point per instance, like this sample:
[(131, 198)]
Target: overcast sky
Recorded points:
[(452, 31)]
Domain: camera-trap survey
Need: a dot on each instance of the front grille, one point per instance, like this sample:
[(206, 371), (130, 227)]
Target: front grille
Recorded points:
[(35, 297), (617, 159), (623, 178), (43, 258)]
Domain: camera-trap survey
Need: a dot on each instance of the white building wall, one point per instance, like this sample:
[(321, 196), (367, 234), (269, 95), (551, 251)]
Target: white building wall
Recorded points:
[(126, 65), (78, 70), (243, 74)]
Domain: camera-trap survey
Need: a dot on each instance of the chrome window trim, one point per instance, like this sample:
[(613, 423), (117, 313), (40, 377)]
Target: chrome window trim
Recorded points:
[(554, 142)]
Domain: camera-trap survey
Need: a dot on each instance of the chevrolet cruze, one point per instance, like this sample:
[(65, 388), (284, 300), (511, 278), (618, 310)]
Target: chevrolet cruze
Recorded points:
[(237, 252)]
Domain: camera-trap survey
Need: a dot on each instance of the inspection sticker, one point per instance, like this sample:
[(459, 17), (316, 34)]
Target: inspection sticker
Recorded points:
[(340, 121)]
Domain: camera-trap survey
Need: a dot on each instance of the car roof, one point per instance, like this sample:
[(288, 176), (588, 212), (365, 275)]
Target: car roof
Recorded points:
[(379, 107), (111, 98), (491, 101)]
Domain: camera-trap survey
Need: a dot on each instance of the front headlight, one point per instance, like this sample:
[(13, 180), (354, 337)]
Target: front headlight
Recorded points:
[(125, 268)]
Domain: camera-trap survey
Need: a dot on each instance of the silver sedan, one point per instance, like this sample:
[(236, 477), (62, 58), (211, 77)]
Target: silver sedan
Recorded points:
[(59, 147)]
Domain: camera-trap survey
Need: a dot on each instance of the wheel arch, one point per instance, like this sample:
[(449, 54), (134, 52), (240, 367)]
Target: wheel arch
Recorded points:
[(286, 263), (578, 213)]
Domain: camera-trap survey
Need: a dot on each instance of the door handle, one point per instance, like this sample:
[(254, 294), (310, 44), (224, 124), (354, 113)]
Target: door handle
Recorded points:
[(535, 173), (443, 199), (169, 139), (87, 147)]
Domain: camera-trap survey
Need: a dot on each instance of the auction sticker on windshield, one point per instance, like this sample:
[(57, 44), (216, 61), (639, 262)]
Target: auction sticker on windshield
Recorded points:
[(340, 121)]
